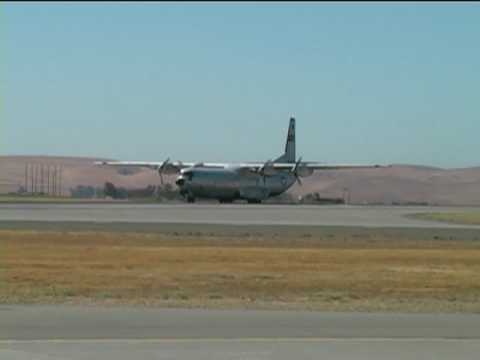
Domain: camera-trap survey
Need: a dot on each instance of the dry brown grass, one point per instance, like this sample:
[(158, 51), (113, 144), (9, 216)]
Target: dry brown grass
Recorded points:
[(255, 271)]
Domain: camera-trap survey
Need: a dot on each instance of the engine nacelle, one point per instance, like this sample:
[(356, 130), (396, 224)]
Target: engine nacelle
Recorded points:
[(168, 169), (268, 169), (304, 171)]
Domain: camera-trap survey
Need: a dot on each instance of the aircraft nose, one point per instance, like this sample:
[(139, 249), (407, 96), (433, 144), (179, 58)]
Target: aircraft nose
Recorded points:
[(180, 181)]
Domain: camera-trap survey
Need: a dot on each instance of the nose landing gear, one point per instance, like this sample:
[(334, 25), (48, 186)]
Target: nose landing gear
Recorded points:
[(187, 195)]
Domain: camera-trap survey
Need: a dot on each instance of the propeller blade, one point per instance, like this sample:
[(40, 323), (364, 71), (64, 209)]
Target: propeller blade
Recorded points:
[(297, 164), (162, 168), (165, 163), (262, 171), (298, 180), (295, 170)]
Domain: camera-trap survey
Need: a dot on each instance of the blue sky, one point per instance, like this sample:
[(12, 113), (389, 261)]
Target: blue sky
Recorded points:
[(382, 83)]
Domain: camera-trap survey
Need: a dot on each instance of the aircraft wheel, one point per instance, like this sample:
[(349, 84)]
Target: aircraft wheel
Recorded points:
[(190, 199), (254, 201)]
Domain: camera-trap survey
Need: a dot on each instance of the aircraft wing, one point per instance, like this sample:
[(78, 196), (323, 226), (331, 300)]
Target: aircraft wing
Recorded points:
[(309, 165), (155, 165), (176, 166), (149, 165), (320, 166)]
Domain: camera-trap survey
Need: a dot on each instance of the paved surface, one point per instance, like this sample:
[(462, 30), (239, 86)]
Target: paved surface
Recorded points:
[(71, 322), (81, 333), (247, 350), (369, 216), (62, 332)]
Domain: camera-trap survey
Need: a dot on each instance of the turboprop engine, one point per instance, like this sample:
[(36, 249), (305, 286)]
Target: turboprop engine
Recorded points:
[(301, 171), (167, 168)]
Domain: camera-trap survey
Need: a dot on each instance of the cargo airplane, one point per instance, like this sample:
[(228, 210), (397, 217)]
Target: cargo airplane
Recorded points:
[(250, 181)]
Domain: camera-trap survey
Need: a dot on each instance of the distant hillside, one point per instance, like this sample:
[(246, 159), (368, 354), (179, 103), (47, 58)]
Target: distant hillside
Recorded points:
[(76, 171), (399, 184)]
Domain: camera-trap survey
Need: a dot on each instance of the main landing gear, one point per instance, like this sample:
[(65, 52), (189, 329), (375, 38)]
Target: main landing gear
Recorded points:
[(225, 201), (254, 201)]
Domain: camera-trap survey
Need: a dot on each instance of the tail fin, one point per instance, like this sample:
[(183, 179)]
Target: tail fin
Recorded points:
[(289, 155)]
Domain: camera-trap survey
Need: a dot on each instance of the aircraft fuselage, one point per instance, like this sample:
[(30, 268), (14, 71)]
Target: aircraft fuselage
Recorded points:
[(228, 184)]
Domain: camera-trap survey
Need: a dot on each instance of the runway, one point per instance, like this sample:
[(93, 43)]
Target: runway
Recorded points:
[(366, 216), (77, 333), (124, 333)]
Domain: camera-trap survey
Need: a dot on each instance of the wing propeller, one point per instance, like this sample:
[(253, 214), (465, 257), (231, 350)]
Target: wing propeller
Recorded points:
[(266, 169), (269, 169), (296, 169), (162, 168)]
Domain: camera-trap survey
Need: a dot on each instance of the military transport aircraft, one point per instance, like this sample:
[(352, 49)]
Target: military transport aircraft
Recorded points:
[(227, 182)]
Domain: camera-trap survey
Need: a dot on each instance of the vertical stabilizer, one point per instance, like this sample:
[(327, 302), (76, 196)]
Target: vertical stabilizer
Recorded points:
[(289, 155)]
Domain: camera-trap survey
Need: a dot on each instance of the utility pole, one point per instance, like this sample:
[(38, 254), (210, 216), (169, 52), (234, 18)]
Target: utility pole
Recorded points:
[(42, 188), (34, 169), (60, 180), (26, 177), (48, 179), (36, 179), (31, 177), (54, 178), (50, 175)]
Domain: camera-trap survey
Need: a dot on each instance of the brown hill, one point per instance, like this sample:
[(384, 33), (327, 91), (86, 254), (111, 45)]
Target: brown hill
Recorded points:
[(398, 184), (76, 171)]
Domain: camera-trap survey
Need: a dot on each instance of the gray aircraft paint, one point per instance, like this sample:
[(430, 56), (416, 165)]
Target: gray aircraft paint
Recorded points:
[(252, 181), (289, 155), (231, 183)]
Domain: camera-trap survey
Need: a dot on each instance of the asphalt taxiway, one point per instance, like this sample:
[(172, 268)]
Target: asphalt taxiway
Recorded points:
[(366, 216), (77, 333)]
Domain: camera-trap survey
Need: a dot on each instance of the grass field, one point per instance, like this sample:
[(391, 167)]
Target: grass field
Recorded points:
[(464, 218), (34, 199), (328, 271), (43, 199)]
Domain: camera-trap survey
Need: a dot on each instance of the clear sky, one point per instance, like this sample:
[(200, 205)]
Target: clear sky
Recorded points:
[(381, 83)]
